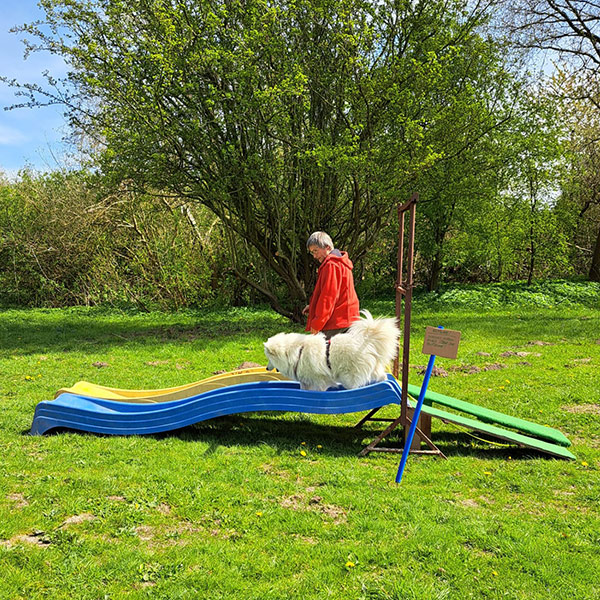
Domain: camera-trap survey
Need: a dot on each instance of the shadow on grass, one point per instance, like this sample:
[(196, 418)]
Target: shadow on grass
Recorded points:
[(336, 441), (98, 330), (462, 444)]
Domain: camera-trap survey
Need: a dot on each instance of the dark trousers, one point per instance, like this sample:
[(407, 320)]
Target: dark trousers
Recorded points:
[(329, 333)]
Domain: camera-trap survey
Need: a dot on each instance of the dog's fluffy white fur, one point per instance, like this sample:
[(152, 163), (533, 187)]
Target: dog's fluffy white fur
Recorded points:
[(357, 358)]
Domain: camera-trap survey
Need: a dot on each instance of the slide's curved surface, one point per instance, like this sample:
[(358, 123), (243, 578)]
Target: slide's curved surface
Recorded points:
[(222, 380), (100, 415)]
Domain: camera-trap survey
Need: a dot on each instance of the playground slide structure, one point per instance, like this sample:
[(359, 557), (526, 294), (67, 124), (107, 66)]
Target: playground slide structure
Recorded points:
[(89, 407), (108, 416)]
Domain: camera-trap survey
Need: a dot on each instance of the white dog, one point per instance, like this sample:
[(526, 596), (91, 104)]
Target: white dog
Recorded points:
[(353, 359)]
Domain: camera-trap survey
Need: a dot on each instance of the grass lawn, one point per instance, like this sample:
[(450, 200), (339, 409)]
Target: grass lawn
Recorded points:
[(277, 506)]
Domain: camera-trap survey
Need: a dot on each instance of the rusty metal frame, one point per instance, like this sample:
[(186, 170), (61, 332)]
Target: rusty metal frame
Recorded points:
[(404, 291)]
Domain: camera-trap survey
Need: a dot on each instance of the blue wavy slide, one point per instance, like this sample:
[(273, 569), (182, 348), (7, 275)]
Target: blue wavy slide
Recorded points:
[(113, 417)]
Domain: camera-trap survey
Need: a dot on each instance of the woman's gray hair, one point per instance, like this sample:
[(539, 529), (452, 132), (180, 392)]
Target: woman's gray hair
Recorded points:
[(319, 239)]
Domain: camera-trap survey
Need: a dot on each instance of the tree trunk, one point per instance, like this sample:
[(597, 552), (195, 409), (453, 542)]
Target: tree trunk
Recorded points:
[(433, 281), (595, 268)]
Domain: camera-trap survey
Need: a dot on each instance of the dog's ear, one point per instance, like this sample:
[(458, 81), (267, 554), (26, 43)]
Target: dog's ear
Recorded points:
[(270, 348)]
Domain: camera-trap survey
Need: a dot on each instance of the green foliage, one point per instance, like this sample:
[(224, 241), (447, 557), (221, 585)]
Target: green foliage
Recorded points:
[(282, 118), (580, 198), (518, 294), (66, 238), (266, 121)]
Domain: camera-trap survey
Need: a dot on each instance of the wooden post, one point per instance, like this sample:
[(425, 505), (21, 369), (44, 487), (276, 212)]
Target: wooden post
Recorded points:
[(404, 289)]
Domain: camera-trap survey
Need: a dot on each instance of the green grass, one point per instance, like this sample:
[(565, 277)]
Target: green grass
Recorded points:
[(231, 509)]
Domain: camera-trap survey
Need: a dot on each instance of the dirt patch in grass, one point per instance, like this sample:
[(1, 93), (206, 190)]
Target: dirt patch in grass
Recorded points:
[(297, 502), (436, 372), (164, 509), (336, 513), (469, 503), (293, 502), (248, 365), (487, 500), (33, 539), (183, 527), (270, 469), (593, 441), (563, 493), (494, 367), (466, 369), (576, 362), (146, 533), (179, 534), (305, 539), (586, 409), (18, 499), (76, 519), (473, 547)]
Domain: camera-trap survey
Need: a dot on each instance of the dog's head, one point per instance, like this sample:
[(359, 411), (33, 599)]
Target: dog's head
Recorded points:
[(275, 351), (279, 351)]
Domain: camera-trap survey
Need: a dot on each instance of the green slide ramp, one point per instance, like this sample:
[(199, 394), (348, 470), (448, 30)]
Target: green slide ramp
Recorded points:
[(487, 415), (504, 434)]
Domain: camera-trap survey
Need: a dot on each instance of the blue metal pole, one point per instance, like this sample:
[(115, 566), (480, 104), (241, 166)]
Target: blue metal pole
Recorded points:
[(415, 418)]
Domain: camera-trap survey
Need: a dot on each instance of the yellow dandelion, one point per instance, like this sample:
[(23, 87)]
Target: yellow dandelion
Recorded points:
[(584, 463), (507, 380), (259, 514), (303, 444), (350, 565), (501, 387), (495, 573), (319, 446), (510, 458), (302, 452), (487, 472)]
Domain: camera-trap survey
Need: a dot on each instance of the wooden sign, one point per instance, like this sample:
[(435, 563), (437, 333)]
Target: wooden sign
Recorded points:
[(441, 342)]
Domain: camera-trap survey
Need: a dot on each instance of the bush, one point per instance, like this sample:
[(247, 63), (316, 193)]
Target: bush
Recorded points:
[(546, 294), (66, 239)]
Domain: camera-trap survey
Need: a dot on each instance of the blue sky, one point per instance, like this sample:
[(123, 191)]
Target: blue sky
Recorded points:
[(28, 136)]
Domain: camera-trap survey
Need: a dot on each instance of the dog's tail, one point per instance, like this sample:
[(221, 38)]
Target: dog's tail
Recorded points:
[(381, 334)]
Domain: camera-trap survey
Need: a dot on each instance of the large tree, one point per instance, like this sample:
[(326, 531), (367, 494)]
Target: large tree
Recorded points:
[(570, 31), (281, 116)]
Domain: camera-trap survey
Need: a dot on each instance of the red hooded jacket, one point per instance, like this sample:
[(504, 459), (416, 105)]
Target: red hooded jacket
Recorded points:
[(334, 303)]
